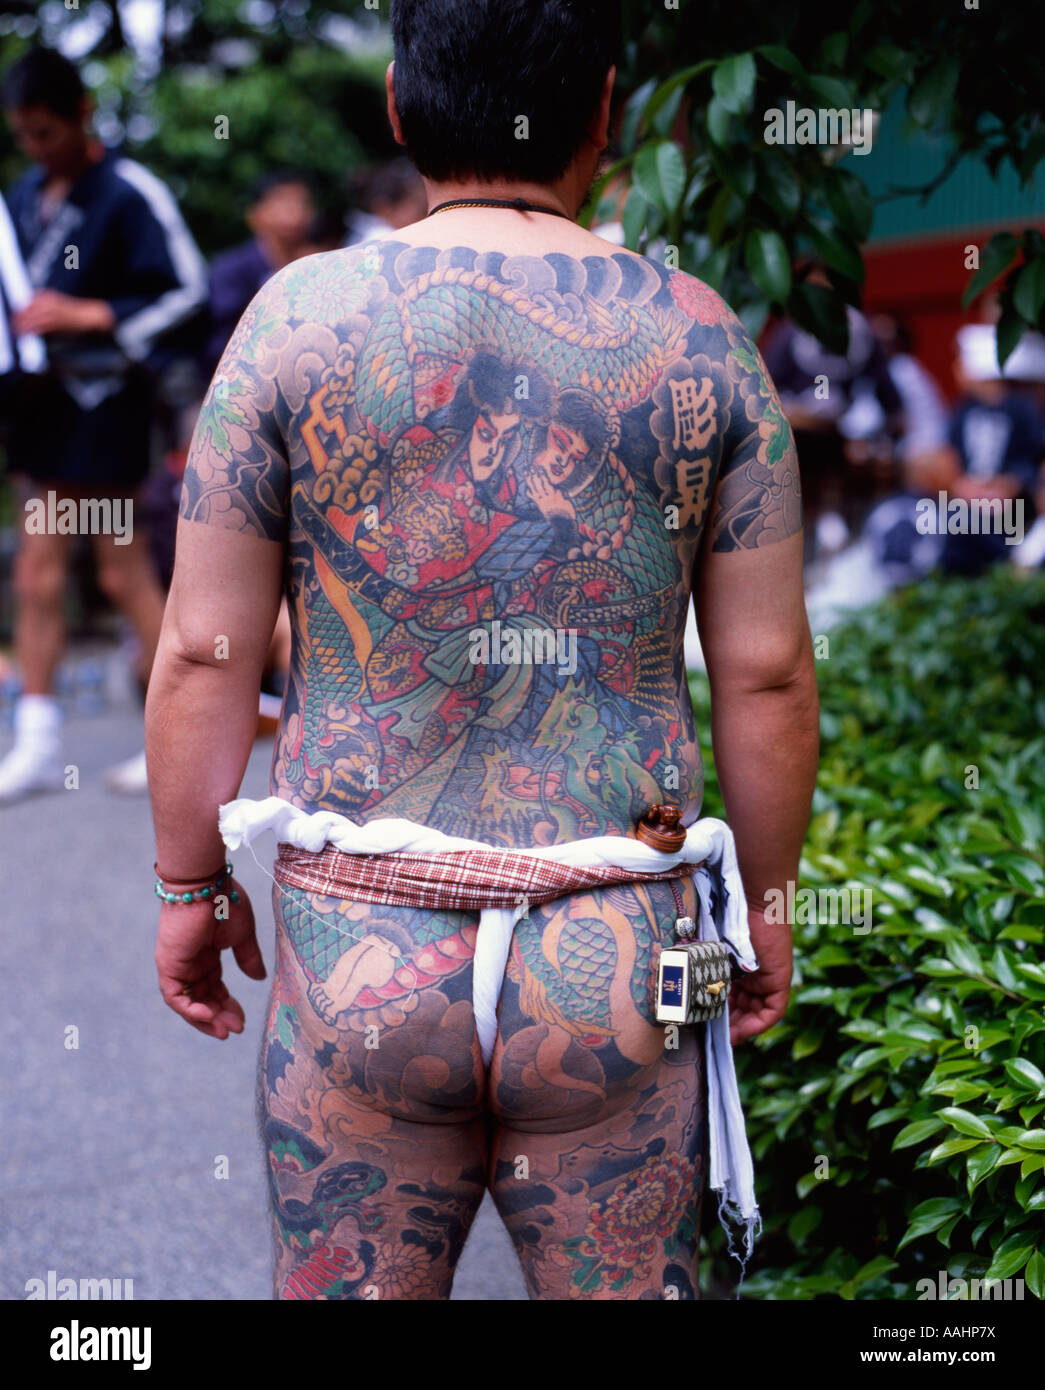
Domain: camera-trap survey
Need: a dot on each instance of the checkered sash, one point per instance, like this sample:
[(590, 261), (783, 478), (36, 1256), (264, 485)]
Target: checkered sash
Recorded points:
[(452, 880)]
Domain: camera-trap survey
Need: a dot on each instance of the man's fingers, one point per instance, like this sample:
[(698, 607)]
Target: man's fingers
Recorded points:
[(249, 958), (205, 1003)]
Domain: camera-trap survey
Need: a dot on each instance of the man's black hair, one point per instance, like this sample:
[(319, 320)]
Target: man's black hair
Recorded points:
[(390, 183), (466, 72), (43, 77), (277, 178)]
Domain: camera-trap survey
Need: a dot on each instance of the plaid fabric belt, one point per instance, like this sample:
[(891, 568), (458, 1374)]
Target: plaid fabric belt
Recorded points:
[(454, 880)]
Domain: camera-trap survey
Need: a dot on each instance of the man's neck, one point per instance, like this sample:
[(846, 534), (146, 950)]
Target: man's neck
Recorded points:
[(553, 196), (90, 152)]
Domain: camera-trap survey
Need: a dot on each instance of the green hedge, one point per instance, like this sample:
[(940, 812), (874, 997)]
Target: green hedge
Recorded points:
[(911, 1062)]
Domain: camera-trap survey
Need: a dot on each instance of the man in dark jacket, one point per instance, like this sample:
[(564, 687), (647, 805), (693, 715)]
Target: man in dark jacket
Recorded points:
[(115, 271)]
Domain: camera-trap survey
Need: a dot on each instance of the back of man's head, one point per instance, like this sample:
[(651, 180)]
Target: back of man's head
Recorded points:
[(43, 77), (466, 73)]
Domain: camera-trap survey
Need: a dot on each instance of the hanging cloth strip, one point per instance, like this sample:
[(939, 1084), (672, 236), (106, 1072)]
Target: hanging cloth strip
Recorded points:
[(395, 861)]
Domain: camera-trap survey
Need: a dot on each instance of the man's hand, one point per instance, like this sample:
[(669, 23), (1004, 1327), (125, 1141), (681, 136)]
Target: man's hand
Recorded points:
[(759, 999), (188, 961), (50, 311), (1001, 486)]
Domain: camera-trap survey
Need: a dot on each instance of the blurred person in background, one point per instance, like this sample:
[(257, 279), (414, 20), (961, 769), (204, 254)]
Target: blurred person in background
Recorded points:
[(280, 213), (925, 411), (84, 430), (834, 404), (282, 216), (900, 552), (1025, 370), (326, 232), (388, 197), (994, 446)]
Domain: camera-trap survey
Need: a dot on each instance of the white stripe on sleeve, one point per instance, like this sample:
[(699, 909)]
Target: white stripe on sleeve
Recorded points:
[(137, 333)]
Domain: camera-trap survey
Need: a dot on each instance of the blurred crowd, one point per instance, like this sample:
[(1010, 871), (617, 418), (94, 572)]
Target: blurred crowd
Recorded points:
[(106, 354), (888, 462)]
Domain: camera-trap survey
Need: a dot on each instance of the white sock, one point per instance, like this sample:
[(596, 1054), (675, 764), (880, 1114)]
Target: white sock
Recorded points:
[(37, 716)]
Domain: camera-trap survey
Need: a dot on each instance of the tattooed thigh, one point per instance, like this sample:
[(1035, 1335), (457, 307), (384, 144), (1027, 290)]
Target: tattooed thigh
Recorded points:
[(370, 1099), (599, 1158)]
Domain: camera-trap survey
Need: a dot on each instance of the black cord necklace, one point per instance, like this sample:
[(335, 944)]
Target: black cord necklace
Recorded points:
[(518, 204)]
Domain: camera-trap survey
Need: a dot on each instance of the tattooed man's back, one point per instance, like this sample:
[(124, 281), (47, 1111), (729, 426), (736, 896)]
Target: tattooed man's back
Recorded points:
[(489, 460), (495, 473)]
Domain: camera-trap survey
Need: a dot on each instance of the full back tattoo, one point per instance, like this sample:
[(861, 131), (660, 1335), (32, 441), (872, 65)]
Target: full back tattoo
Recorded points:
[(493, 476)]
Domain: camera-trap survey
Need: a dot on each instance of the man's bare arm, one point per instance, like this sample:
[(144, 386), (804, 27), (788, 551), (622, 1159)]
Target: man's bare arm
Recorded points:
[(764, 706), (755, 636), (202, 708), (201, 714)]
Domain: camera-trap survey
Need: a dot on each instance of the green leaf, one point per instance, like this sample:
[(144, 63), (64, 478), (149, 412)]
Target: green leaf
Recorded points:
[(633, 218), (964, 956), (733, 82), (959, 1091), (918, 1130), (965, 1122), (782, 58), (712, 270), (833, 49), (1025, 1075), (660, 174), (806, 1184), (997, 256), (1034, 1274), (829, 92), (935, 1206), (769, 264), (928, 1217), (1011, 1255), (933, 762), (820, 311), (719, 214), (662, 122), (673, 86), (944, 1233), (933, 92), (1025, 1190), (1028, 293), (978, 1165), (1011, 328), (636, 103), (950, 1147), (780, 186), (807, 1043), (1031, 1139), (872, 1270), (803, 1223), (836, 250), (1001, 968), (931, 882), (718, 116)]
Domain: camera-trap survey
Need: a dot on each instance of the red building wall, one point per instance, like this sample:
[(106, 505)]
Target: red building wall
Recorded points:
[(922, 283)]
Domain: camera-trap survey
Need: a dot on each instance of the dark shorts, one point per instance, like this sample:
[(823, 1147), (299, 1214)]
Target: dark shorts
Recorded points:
[(51, 440)]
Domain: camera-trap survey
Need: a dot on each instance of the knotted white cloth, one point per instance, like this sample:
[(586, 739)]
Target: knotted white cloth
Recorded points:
[(708, 842)]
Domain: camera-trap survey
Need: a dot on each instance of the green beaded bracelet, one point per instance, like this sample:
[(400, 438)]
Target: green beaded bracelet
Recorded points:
[(199, 894)]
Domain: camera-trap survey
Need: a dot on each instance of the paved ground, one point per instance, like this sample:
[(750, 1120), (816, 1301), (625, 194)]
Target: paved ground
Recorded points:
[(109, 1148)]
